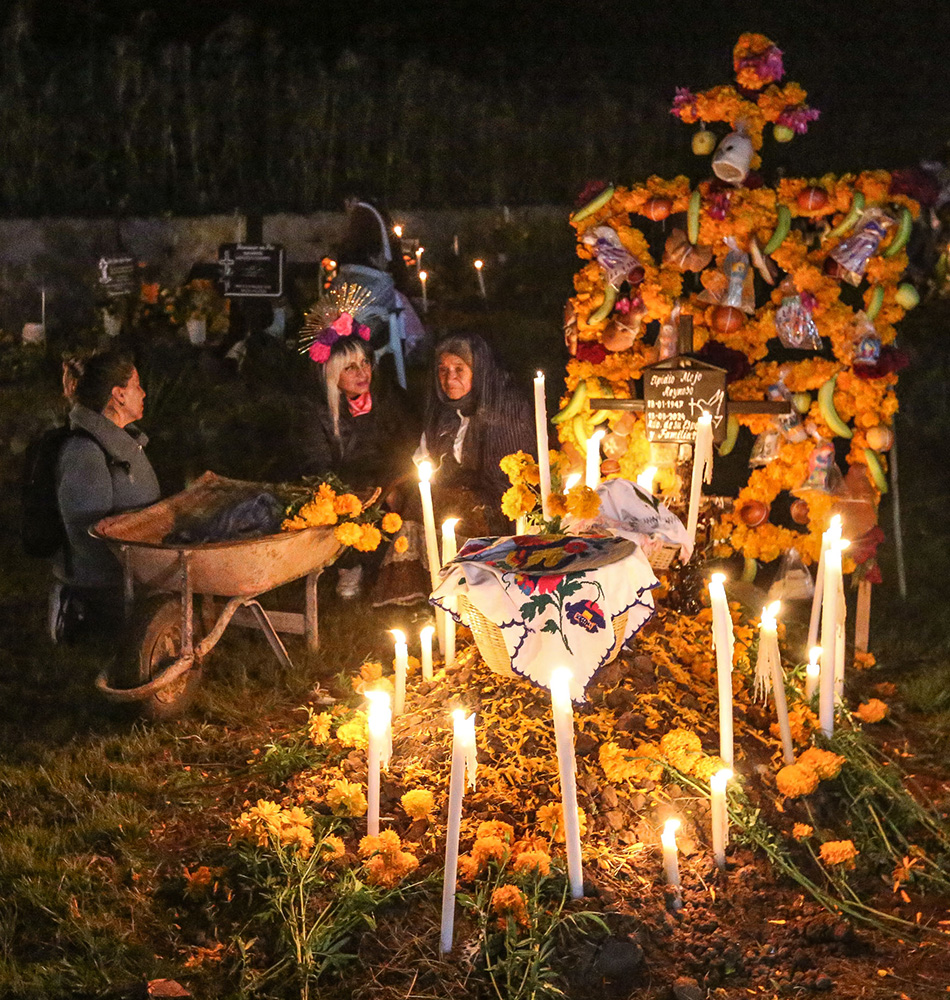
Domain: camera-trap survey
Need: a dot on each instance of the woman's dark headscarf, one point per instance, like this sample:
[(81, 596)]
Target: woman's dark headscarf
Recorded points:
[(500, 416)]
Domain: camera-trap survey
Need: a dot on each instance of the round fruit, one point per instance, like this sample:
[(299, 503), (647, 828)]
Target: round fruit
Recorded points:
[(617, 337), (636, 275), (906, 295), (782, 133), (802, 401), (657, 208), (615, 445), (812, 199), (609, 467), (704, 142), (753, 512), (726, 319), (799, 511), (880, 438)]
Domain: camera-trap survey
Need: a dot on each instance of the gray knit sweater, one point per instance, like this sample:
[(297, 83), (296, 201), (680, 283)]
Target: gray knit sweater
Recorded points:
[(91, 487)]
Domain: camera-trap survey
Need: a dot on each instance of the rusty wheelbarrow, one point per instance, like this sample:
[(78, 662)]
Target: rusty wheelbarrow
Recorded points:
[(161, 669)]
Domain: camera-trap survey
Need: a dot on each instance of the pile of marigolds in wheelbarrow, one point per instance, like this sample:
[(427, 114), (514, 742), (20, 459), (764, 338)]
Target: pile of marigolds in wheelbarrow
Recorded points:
[(223, 538)]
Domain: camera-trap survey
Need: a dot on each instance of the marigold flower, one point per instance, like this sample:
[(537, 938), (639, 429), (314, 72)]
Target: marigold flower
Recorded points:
[(513, 466), (496, 828), (348, 533), (392, 522), (354, 733), (418, 803), (532, 863), (863, 660), (370, 538), (370, 672), (401, 545), (582, 502), (347, 504), (557, 504), (318, 727), (266, 813), (509, 903), (486, 849), (802, 831), (707, 766), (332, 850), (872, 710), (823, 762), (468, 868), (346, 798), (682, 748), (794, 780), (517, 501), (389, 871), (551, 821), (197, 882), (836, 852)]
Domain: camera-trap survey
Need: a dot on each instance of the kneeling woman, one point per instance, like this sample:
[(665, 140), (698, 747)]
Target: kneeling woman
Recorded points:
[(354, 426)]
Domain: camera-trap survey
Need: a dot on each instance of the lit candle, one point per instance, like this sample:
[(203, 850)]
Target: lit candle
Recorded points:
[(769, 649), (572, 480), (829, 628), (812, 673), (834, 526), (541, 429), (840, 627), (43, 307), (670, 860), (645, 479), (401, 666), (378, 754), (425, 640), (463, 759), (719, 814), (397, 231), (449, 551), (479, 264), (723, 642), (455, 245), (563, 712), (423, 278), (419, 254), (592, 475), (702, 470)]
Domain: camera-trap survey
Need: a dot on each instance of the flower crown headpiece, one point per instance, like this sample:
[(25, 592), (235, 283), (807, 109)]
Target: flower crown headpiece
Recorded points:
[(335, 316)]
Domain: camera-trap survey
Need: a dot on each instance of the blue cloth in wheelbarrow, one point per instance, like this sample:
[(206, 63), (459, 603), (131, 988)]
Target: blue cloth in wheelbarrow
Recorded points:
[(250, 517)]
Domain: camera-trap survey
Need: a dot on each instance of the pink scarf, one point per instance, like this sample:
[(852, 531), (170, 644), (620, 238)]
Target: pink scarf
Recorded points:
[(361, 405)]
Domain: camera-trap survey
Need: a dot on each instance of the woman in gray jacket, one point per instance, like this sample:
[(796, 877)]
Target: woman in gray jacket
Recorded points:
[(102, 470)]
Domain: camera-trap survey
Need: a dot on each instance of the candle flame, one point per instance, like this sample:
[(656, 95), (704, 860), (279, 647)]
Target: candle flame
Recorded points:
[(668, 836), (718, 578), (541, 376), (378, 701), (844, 544), (448, 525), (398, 634), (425, 471), (331, 264), (645, 479), (479, 264), (705, 417), (719, 779), (813, 654), (427, 632), (572, 480), (458, 717), (423, 275), (397, 230)]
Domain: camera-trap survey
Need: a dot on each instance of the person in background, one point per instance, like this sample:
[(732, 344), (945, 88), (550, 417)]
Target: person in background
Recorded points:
[(475, 416), (355, 426), (101, 471)]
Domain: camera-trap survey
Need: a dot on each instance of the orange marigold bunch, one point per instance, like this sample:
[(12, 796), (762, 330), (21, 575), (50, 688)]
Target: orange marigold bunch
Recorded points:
[(793, 780), (346, 798), (532, 863), (838, 852), (551, 821), (387, 863), (802, 831), (509, 903), (419, 803), (682, 748), (871, 711), (824, 763)]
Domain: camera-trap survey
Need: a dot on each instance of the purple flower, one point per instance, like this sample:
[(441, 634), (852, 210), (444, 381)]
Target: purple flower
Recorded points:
[(684, 99), (797, 116)]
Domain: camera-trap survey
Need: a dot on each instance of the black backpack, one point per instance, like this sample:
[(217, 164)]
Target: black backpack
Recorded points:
[(42, 531)]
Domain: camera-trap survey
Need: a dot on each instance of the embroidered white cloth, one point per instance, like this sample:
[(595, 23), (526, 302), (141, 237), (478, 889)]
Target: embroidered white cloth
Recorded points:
[(554, 597)]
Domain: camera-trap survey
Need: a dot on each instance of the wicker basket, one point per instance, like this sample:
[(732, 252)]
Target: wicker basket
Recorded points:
[(660, 554), (491, 642)]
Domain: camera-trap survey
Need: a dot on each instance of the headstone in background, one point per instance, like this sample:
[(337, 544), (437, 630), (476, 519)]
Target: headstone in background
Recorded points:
[(251, 271)]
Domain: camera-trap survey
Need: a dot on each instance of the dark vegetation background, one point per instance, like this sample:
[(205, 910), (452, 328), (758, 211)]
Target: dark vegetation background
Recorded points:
[(118, 106)]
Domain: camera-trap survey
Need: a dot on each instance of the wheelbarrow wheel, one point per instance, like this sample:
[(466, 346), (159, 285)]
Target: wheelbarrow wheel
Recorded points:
[(154, 644)]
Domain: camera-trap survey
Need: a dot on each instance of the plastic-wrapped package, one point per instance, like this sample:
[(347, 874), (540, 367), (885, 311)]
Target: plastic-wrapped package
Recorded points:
[(823, 473), (791, 424), (766, 446), (618, 263), (667, 342), (793, 582), (795, 325), (853, 253)]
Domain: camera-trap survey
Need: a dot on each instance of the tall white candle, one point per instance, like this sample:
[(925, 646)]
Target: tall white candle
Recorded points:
[(768, 646), (423, 278), (645, 479), (479, 264), (541, 428), (378, 754), (835, 528), (592, 476), (563, 712), (670, 860), (449, 551), (840, 628), (702, 470), (723, 643), (419, 252), (719, 814), (829, 627), (812, 673), (425, 641), (463, 759), (428, 521), (521, 526), (43, 307), (401, 665)]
